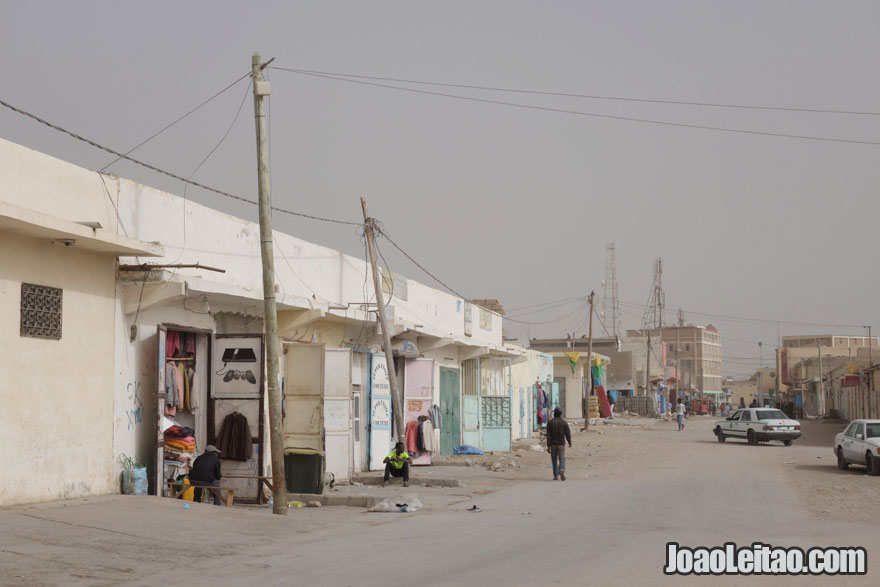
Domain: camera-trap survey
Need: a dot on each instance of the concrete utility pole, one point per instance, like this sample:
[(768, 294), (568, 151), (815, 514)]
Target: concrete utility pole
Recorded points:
[(270, 317), (396, 403)]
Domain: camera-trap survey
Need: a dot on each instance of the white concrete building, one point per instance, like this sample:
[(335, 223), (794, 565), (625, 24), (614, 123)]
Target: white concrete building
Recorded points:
[(212, 322), (58, 250)]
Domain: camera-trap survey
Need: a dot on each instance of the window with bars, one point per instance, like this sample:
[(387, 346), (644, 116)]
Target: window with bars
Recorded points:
[(496, 412), (41, 307)]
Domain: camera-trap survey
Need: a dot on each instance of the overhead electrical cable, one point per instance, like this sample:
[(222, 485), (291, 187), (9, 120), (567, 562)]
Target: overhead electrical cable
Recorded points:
[(168, 173), (577, 95), (595, 114), (156, 134)]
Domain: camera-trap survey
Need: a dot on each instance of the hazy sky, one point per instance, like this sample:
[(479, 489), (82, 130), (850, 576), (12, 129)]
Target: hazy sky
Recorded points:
[(501, 201)]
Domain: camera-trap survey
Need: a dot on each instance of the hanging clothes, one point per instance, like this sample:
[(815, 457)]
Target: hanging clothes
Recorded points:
[(411, 437), (234, 440), (193, 388), (420, 439), (428, 435), (172, 344), (436, 416)]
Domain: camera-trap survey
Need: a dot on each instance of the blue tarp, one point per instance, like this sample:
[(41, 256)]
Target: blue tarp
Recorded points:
[(464, 449)]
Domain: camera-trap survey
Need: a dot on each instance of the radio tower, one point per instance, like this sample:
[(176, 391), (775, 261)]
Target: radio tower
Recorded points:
[(610, 303), (656, 305)]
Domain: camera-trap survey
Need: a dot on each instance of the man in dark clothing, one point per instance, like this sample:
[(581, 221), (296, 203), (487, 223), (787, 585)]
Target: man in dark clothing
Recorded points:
[(206, 471), (558, 433)]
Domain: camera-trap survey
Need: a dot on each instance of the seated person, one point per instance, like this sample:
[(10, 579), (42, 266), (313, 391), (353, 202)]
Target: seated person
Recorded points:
[(397, 464), (206, 471)]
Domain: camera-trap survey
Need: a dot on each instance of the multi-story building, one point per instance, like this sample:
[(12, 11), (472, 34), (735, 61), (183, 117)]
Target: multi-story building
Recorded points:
[(697, 352)]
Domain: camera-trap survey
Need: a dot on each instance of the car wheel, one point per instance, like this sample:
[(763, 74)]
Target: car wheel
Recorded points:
[(752, 438), (720, 434), (871, 466), (841, 462), (787, 442)]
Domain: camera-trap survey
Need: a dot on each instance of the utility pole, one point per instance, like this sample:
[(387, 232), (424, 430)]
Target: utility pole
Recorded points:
[(648, 366), (870, 373), (820, 397), (589, 363), (270, 317), (396, 404), (761, 372)]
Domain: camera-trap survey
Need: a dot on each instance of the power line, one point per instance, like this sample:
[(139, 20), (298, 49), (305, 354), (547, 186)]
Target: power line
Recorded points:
[(154, 135), (546, 304), (593, 114), (204, 160), (576, 95), (760, 320), (168, 173), (538, 311)]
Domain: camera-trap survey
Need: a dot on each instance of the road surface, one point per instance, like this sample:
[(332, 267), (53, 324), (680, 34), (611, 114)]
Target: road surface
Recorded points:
[(630, 490)]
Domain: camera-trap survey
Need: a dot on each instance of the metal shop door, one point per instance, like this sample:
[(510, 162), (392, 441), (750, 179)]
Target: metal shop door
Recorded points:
[(337, 413), (559, 382), (359, 421), (237, 386), (450, 409), (495, 405), (303, 396), (380, 412)]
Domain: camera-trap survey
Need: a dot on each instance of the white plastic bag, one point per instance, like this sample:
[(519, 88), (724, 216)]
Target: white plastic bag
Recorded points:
[(384, 506)]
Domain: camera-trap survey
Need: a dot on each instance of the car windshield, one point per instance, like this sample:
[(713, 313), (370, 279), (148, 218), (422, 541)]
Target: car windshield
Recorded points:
[(771, 415), (873, 430)]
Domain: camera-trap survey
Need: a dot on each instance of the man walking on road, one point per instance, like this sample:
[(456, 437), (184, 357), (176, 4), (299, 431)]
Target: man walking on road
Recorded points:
[(679, 414), (558, 433)]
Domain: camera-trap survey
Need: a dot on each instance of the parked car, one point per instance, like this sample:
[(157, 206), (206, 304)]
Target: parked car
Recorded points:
[(758, 425), (859, 444)]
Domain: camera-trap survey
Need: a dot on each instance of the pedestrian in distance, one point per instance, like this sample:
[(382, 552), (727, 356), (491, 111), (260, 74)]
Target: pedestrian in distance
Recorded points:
[(680, 413), (206, 471), (397, 464), (558, 433)]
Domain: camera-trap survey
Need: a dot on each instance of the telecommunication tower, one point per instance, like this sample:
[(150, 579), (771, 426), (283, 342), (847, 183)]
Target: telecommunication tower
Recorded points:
[(610, 301), (656, 305)]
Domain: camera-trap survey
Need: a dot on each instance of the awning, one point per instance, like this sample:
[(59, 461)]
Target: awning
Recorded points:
[(27, 222)]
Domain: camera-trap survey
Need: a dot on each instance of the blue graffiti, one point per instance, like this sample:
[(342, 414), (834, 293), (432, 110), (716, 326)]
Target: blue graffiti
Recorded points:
[(136, 414)]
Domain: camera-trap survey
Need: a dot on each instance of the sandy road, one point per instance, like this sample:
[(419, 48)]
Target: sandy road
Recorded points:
[(629, 491)]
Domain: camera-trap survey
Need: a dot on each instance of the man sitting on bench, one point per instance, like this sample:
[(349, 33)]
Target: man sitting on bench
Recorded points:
[(397, 464), (206, 471)]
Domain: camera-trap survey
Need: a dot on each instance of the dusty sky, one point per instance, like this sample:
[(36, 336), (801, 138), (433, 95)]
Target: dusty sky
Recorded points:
[(499, 201)]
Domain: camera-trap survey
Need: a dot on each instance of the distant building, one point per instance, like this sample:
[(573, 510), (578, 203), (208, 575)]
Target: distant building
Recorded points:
[(697, 352)]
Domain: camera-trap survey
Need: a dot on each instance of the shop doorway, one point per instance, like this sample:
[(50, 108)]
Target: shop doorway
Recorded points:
[(450, 431)]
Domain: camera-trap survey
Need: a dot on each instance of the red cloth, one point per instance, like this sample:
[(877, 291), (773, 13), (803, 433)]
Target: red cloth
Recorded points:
[(604, 406), (411, 436)]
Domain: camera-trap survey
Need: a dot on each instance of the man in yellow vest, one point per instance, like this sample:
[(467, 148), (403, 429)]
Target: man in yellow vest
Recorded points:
[(397, 464)]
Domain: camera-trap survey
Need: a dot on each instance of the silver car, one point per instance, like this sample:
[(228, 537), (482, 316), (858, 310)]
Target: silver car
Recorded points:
[(758, 425), (859, 444)]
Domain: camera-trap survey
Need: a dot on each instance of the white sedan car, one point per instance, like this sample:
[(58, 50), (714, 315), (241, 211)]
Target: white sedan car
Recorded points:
[(859, 444), (758, 425)]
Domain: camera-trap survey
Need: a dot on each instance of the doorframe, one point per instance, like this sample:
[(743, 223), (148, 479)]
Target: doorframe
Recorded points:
[(158, 477)]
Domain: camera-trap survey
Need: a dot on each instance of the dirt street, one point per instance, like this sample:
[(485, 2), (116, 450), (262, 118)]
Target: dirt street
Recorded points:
[(632, 486)]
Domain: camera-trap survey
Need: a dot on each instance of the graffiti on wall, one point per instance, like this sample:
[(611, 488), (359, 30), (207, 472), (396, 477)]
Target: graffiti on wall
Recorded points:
[(135, 411)]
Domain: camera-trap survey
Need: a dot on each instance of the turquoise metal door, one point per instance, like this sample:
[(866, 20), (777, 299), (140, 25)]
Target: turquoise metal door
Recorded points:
[(450, 409), (554, 397)]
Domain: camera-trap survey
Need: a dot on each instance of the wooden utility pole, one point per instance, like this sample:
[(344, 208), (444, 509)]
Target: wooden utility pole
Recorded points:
[(396, 403), (589, 363), (648, 368), (270, 317), (870, 364)]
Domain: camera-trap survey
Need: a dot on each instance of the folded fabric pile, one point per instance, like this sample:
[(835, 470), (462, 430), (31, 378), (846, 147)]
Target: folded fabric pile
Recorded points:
[(180, 444)]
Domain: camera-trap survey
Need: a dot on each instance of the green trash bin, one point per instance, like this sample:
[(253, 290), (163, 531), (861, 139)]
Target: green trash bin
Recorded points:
[(304, 469)]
